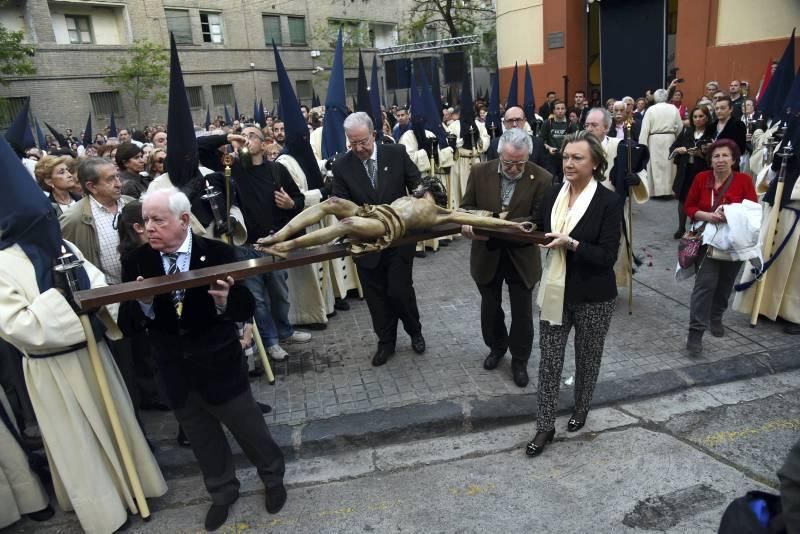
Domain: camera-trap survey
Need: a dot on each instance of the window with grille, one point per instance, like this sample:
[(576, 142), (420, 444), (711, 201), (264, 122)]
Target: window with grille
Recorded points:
[(211, 23), (180, 25), (10, 108), (351, 86), (276, 93), (106, 103), (297, 30), (303, 90), (79, 28), (222, 94), (272, 29), (195, 96)]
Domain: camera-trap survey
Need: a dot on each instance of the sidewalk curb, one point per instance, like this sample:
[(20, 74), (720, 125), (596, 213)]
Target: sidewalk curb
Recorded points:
[(419, 421)]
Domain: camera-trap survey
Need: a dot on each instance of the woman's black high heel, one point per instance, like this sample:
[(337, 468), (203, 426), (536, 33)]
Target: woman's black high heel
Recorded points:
[(539, 442), (577, 421)]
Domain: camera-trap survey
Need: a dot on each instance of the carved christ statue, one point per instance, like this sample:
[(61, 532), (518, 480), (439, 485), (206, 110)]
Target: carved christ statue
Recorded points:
[(373, 228)]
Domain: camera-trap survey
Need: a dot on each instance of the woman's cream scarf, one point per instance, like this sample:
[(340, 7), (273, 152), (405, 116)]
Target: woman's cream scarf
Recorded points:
[(562, 220)]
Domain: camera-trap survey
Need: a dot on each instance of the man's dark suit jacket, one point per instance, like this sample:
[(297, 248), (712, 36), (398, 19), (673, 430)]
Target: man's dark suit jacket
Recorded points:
[(590, 269), (397, 176), (483, 193), (537, 155), (736, 131), (199, 351)]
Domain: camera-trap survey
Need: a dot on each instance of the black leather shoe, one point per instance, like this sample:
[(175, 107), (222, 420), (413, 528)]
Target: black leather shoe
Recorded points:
[(420, 254), (256, 372), (491, 361), (216, 516), (264, 407), (520, 374), (792, 329), (577, 421), (182, 440), (382, 355), (341, 305), (539, 442), (418, 343), (678, 234), (275, 498), (41, 515)]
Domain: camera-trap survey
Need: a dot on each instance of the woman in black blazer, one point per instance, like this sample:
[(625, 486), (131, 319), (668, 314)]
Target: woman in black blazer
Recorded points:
[(578, 287)]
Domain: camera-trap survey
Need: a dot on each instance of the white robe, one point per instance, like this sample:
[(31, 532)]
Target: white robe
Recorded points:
[(660, 127), (310, 288), (641, 194), (88, 473), (21, 491), (782, 285), (459, 172)]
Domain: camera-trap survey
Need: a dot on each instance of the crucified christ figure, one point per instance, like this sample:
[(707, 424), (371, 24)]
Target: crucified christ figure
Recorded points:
[(373, 228)]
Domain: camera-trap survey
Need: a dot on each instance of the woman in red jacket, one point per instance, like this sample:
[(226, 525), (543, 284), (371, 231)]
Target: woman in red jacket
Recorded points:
[(710, 192)]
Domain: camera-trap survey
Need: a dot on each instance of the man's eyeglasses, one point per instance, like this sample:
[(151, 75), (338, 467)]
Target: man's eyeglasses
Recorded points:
[(513, 163), (254, 136), (514, 120), (361, 142)]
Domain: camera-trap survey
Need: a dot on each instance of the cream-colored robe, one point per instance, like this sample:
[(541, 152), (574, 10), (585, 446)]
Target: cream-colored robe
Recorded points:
[(661, 125), (782, 284), (239, 228), (88, 473), (640, 194), (310, 288), (21, 491), (459, 172), (759, 147)]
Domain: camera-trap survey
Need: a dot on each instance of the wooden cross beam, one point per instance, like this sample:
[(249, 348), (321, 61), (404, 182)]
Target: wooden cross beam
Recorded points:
[(94, 298)]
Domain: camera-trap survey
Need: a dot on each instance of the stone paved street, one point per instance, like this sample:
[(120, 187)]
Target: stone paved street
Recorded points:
[(333, 375)]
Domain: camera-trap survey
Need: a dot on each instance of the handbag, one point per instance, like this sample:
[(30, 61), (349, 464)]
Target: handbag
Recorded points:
[(691, 242)]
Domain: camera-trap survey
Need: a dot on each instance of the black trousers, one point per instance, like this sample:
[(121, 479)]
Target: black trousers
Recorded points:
[(493, 325), (202, 423), (389, 290)]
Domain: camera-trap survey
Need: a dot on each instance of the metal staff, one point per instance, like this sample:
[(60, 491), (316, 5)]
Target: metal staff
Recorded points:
[(784, 154), (67, 263), (630, 224)]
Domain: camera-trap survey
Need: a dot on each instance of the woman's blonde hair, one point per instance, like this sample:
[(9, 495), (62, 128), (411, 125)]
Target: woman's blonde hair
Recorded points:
[(45, 167)]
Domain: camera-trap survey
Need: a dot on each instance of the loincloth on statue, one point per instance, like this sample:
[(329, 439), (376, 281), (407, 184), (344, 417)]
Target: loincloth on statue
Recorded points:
[(393, 225)]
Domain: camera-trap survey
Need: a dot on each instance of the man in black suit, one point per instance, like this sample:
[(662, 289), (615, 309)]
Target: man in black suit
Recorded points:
[(373, 173), (201, 364), (728, 127), (515, 118)]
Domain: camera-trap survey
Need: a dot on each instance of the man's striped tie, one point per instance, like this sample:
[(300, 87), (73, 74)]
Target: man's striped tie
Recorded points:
[(177, 295)]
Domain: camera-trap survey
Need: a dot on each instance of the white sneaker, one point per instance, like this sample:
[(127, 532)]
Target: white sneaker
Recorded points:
[(297, 338), (277, 353)]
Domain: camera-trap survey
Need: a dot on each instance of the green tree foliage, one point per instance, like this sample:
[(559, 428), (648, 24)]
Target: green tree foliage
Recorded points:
[(143, 73), (15, 56), (455, 17)]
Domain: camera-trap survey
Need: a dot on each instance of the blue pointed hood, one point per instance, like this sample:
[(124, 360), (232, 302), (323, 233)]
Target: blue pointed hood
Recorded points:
[(182, 160), (207, 122), (236, 109), (375, 98), (255, 110), (87, 132), (112, 126), (27, 218), (333, 138), (771, 104), (513, 90), (297, 135), (436, 90), (529, 104), (433, 122), (494, 124), (792, 103), (362, 93), (15, 135), (262, 118), (62, 141), (40, 137), (30, 142), (417, 109), (228, 120), (467, 112), (394, 99)]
